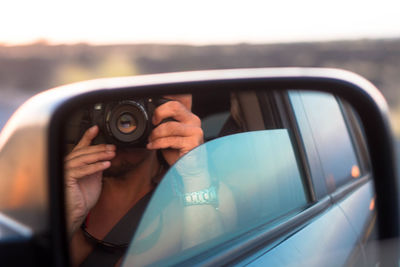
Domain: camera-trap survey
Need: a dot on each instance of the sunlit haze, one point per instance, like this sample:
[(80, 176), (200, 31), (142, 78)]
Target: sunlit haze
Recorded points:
[(196, 22)]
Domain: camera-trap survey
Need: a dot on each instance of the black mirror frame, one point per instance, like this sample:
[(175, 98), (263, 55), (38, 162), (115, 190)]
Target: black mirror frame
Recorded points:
[(363, 96)]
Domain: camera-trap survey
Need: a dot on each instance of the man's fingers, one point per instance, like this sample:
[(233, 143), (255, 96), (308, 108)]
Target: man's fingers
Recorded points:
[(87, 137), (89, 150), (173, 128), (83, 171), (176, 142), (86, 159), (177, 111), (183, 144)]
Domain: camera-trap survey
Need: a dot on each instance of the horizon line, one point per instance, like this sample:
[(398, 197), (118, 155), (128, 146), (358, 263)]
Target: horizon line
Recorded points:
[(46, 42)]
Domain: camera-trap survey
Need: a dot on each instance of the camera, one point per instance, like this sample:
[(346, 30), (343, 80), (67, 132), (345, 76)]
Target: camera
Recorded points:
[(123, 123)]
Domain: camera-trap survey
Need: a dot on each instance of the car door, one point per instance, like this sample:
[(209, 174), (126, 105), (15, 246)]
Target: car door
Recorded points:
[(339, 172), (330, 238), (336, 161)]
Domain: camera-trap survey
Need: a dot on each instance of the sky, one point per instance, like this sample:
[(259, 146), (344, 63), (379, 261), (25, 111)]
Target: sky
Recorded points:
[(196, 22)]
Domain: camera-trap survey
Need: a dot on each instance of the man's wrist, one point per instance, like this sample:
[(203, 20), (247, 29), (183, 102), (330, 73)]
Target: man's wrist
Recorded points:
[(206, 196)]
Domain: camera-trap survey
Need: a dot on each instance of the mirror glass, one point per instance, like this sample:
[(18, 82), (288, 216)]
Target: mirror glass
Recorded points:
[(161, 180)]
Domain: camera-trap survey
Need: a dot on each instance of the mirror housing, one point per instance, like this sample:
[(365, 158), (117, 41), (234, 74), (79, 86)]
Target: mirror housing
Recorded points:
[(37, 128)]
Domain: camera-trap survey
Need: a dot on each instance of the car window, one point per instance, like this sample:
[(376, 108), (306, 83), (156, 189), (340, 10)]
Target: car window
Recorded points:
[(330, 134), (218, 192)]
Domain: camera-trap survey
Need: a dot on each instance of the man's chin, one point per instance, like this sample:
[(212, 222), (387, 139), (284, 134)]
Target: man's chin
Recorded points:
[(132, 149), (126, 160), (119, 172)]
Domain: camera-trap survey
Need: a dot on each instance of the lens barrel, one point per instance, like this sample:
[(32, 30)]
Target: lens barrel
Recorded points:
[(127, 121)]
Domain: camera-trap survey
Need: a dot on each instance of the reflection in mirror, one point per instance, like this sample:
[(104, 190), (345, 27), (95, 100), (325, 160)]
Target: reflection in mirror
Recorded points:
[(161, 179)]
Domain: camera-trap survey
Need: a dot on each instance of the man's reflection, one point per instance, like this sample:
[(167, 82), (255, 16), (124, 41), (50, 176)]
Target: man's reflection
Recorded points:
[(104, 182)]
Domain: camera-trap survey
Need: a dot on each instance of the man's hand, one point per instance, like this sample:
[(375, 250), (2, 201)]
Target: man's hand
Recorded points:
[(177, 137), (84, 168)]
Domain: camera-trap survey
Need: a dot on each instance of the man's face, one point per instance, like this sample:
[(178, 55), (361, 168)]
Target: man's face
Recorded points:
[(126, 160)]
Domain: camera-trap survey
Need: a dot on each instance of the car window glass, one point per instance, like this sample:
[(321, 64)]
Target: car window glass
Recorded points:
[(330, 134), (217, 192)]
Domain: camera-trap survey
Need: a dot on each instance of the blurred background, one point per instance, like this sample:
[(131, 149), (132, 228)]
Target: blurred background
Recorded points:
[(46, 43)]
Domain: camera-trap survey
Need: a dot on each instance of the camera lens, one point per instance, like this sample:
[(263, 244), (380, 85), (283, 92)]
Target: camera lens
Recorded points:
[(126, 123)]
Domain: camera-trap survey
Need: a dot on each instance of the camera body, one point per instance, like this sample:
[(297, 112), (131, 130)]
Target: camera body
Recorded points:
[(123, 123)]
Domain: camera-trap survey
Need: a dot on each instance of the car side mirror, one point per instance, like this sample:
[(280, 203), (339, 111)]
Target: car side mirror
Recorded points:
[(33, 146)]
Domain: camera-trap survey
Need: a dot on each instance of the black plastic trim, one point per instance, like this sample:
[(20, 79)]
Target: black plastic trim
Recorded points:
[(19, 252), (59, 246)]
